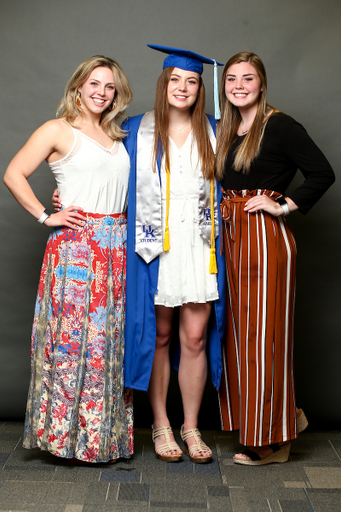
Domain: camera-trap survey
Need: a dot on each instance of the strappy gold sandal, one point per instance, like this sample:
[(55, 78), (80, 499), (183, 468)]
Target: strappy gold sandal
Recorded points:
[(301, 421), (199, 445), (168, 446)]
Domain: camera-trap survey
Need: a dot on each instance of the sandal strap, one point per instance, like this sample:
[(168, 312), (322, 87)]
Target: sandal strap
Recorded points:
[(199, 445), (192, 432), (168, 445), (162, 431), (254, 456)]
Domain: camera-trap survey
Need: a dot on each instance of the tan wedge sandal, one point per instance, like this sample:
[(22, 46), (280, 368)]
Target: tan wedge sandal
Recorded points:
[(199, 445), (279, 454), (168, 446), (301, 421)]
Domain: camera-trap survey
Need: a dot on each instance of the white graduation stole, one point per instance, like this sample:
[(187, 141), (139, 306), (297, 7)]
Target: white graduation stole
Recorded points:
[(148, 229)]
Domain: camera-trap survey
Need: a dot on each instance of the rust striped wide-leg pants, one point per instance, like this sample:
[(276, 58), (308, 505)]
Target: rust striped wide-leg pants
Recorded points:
[(257, 393)]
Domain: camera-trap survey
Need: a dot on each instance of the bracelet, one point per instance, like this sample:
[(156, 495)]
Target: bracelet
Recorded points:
[(284, 205), (45, 215)]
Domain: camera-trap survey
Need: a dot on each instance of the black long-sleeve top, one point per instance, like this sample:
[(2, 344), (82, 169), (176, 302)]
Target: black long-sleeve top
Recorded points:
[(286, 147)]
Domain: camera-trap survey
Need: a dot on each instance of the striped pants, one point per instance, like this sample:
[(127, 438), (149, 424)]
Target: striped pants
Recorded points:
[(257, 394)]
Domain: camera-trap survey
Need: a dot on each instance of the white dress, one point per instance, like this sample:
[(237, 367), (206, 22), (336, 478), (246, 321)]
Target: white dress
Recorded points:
[(184, 270)]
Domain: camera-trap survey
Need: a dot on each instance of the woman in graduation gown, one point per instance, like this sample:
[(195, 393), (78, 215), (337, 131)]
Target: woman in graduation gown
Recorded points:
[(258, 154), (171, 256)]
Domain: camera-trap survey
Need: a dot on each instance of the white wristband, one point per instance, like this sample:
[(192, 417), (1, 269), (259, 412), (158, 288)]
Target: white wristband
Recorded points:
[(285, 208), (45, 215)]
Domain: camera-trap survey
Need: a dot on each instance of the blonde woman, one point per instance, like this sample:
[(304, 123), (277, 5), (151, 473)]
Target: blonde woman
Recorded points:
[(77, 406), (259, 151)]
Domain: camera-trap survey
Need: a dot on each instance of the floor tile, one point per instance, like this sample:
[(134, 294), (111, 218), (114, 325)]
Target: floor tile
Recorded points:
[(12, 427), (81, 493), (217, 490), (239, 501), (211, 467), (324, 500), (183, 491), (17, 491), (181, 506), (336, 445), (268, 475), (33, 507), (328, 478), (295, 506), (295, 484), (120, 476), (8, 442), (3, 458), (74, 508), (27, 475), (304, 450), (184, 466), (133, 492)]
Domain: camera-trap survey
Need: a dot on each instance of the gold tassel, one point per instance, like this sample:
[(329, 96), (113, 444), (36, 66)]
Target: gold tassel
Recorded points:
[(213, 261), (166, 243)]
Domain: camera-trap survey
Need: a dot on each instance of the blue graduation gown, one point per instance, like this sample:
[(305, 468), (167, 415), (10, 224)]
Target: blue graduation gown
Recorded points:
[(141, 285)]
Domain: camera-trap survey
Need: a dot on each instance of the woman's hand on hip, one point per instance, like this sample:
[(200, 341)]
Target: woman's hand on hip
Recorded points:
[(69, 217), (263, 203), (56, 202)]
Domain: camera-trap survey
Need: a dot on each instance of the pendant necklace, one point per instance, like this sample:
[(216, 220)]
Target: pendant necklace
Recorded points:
[(179, 131), (244, 131)]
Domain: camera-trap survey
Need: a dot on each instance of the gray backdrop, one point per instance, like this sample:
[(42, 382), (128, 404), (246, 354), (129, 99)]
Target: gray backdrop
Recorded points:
[(42, 42)]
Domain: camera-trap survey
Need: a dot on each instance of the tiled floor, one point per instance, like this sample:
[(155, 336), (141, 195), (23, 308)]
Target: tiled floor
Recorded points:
[(35, 481)]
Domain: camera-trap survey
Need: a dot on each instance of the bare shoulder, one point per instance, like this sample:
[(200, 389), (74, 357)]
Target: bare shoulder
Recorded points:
[(54, 136), (55, 128)]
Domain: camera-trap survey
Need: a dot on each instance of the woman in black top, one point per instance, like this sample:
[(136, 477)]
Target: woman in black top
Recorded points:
[(259, 151)]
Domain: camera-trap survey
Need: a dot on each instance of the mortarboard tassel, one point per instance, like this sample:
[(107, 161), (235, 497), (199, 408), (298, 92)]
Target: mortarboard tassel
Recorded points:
[(217, 114), (213, 261)]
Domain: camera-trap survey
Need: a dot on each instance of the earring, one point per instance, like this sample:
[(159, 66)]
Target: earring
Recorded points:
[(78, 99), (112, 106)]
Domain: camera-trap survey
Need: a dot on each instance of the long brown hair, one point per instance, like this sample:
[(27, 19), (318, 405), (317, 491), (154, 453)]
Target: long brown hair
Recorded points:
[(231, 118), (199, 126), (69, 110)]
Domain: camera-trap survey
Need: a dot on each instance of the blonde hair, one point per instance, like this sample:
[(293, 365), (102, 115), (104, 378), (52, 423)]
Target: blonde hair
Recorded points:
[(231, 118), (199, 124), (69, 110)]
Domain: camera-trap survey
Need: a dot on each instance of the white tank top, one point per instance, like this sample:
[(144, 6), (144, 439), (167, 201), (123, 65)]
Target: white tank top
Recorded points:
[(92, 176)]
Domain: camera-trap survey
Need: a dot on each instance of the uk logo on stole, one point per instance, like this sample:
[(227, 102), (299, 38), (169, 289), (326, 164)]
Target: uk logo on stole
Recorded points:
[(149, 235), (207, 216)]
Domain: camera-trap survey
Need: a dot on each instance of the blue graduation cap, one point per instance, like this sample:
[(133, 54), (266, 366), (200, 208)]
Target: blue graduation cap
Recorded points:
[(190, 61)]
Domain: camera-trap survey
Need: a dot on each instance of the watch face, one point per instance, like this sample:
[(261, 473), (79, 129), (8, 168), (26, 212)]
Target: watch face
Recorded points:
[(282, 201)]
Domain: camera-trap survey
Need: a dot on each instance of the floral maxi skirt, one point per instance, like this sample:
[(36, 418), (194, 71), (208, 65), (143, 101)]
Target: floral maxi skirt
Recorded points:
[(77, 404)]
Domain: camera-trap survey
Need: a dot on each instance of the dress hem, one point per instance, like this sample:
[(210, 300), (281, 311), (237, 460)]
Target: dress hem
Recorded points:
[(187, 302)]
